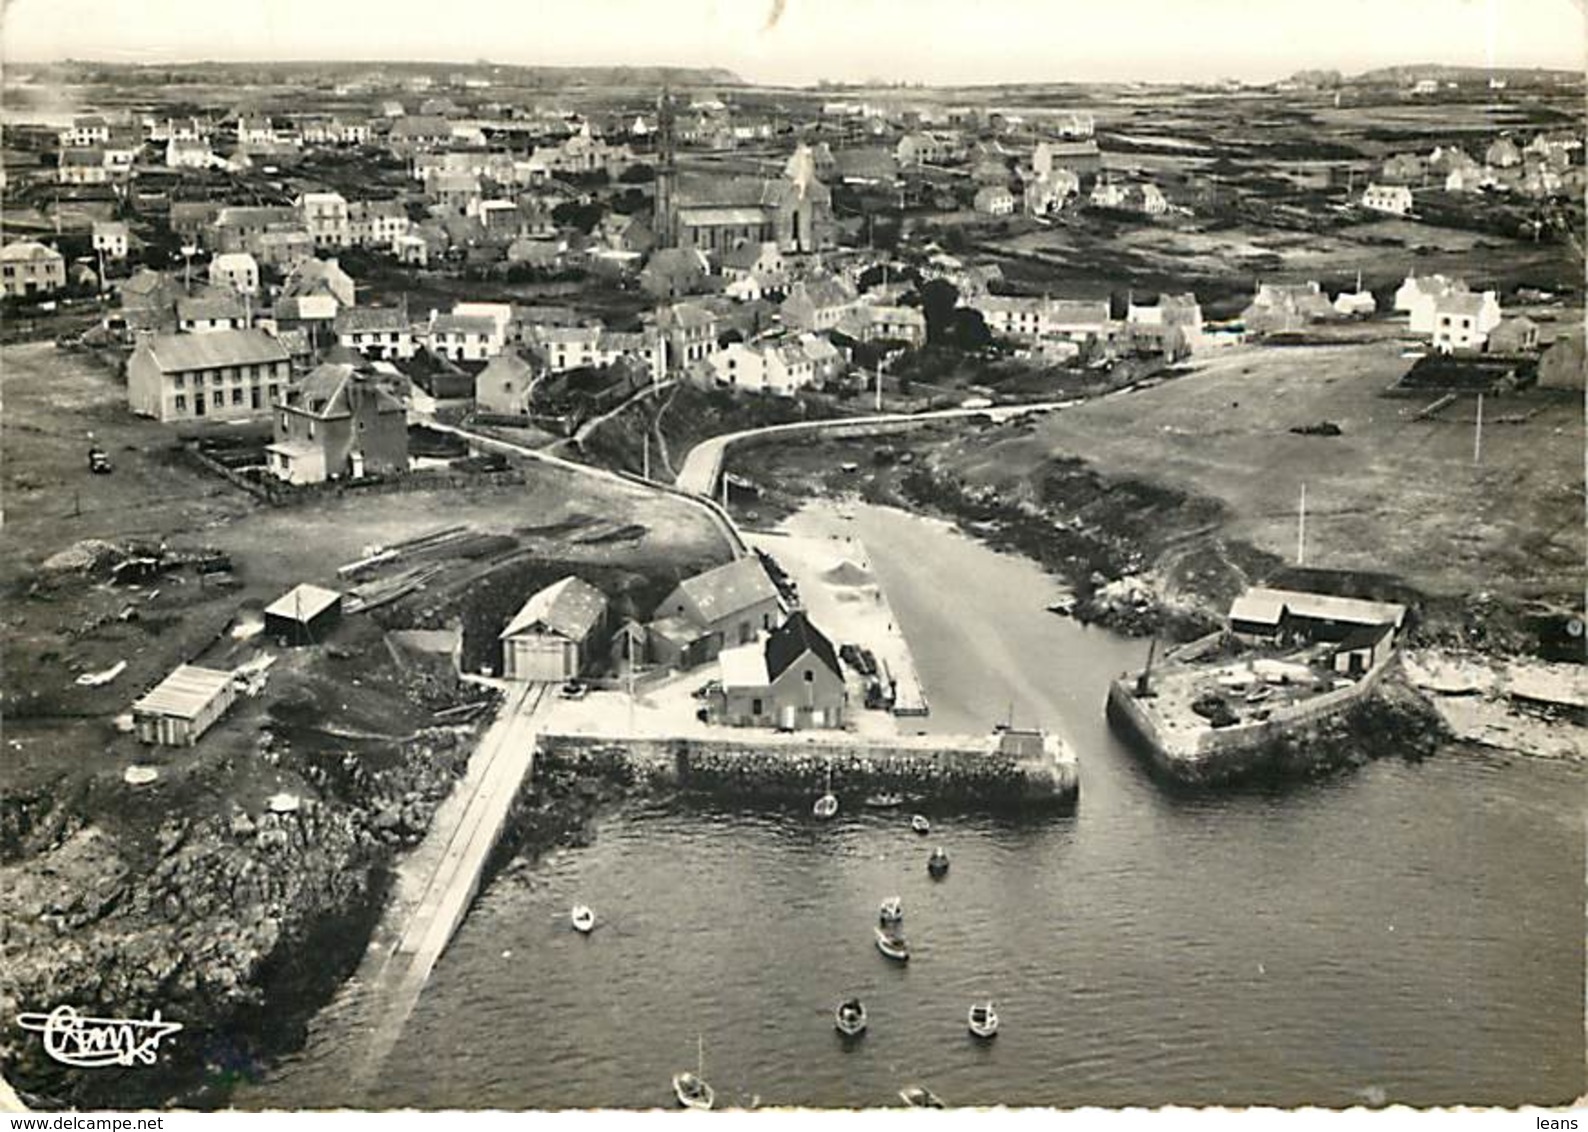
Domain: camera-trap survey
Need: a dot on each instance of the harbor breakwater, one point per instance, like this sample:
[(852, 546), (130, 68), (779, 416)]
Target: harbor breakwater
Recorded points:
[(1378, 715), (949, 769)]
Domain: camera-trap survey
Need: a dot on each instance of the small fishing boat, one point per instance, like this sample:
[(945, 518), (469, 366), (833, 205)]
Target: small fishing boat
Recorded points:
[(920, 824), (827, 805), (983, 1020), (917, 1097), (893, 946), (937, 863), (891, 911), (691, 1088), (884, 801), (583, 919), (850, 1018)]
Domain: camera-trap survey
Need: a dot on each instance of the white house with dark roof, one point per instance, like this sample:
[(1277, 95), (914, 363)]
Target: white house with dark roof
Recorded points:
[(1463, 319), (227, 375), (722, 607), (236, 271), (211, 313), (464, 338), (555, 634), (29, 268), (376, 332), (1396, 200), (110, 238)]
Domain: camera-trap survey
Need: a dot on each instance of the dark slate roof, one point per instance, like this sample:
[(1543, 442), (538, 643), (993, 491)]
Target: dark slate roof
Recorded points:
[(792, 640)]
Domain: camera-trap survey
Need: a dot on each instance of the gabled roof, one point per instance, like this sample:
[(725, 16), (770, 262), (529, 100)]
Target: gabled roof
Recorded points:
[(176, 353), (303, 602), (792, 640), (727, 589), (1460, 303), (1264, 606), (28, 251), (383, 319), (210, 308), (186, 692), (505, 365), (326, 393), (569, 608), (463, 324)]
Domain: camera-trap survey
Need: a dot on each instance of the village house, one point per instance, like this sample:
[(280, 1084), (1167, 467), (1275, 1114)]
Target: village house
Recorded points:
[(376, 223), (1463, 319), (1393, 199), (672, 273), (86, 130), (218, 310), (146, 300), (237, 271), (726, 606), (226, 375), (690, 333), (341, 423), (110, 239), (457, 194), (325, 215), (1172, 326), (818, 304), (383, 333), (1081, 158), (791, 679), (414, 133), (926, 148), (1518, 335), (1028, 319), (503, 386), (464, 338), (1280, 615), (1044, 195), (281, 248), (1564, 365), (82, 167), (1281, 308), (782, 368), (585, 153), (885, 322), (994, 200), (315, 276), (1416, 296), (236, 226), (1502, 154), (1403, 169), (556, 635), (29, 268), (189, 153)]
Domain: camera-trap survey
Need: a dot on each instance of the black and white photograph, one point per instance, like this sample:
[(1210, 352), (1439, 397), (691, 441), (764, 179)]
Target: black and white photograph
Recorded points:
[(748, 555)]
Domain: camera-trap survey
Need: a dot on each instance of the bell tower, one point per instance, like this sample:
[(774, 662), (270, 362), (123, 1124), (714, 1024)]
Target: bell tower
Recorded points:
[(665, 215)]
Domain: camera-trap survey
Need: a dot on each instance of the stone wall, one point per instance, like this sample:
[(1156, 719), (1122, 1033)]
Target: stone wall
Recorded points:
[(959, 768)]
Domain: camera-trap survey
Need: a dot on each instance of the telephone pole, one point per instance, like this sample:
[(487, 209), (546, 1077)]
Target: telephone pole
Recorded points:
[(1477, 434), (1301, 530)]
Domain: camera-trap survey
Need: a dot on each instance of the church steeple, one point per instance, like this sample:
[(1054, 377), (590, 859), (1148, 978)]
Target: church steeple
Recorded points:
[(665, 214), (801, 168)]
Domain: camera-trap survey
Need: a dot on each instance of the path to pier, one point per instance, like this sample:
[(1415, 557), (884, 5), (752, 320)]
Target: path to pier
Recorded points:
[(442, 875)]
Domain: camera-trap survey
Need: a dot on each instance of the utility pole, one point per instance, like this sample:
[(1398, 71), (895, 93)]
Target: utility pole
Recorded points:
[(1301, 530), (646, 465), (879, 386), (1477, 434)]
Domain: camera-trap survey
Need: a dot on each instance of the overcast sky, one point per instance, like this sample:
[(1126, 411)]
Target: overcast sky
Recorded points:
[(802, 41)]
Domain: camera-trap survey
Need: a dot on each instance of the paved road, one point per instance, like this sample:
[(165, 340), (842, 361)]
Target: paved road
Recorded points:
[(702, 467), (594, 423), (719, 517)]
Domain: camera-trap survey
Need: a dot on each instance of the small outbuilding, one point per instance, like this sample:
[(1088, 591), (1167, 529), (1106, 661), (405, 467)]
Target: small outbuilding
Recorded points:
[(1364, 648), (304, 615), (552, 636), (183, 706)]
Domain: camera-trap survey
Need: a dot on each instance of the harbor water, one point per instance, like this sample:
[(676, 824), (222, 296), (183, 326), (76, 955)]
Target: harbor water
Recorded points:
[(1402, 933)]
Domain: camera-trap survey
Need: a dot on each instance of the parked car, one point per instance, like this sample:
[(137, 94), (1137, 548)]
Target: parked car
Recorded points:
[(99, 462), (573, 690)]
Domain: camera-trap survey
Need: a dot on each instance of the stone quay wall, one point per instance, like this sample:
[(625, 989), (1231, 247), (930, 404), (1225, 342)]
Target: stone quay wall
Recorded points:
[(937, 768)]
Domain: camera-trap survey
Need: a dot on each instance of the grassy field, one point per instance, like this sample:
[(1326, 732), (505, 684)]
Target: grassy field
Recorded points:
[(1390, 494)]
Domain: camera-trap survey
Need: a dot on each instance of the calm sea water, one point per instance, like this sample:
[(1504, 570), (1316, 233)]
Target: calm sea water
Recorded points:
[(1403, 933)]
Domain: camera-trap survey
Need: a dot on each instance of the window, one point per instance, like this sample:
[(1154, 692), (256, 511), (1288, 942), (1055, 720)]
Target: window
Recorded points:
[(178, 381), (215, 377), (180, 403), (810, 677), (755, 707), (237, 394), (217, 399)]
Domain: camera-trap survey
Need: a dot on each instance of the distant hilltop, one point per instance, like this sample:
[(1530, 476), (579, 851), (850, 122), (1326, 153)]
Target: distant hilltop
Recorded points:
[(508, 74), (1406, 75)]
